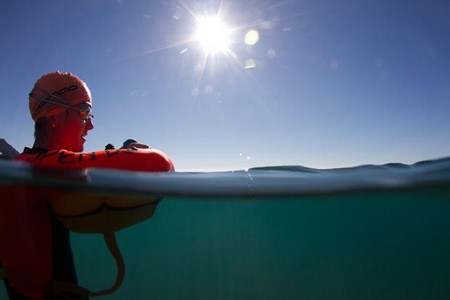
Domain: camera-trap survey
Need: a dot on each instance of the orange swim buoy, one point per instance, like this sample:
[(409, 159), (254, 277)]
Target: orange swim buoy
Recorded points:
[(25, 230), (145, 160), (76, 209)]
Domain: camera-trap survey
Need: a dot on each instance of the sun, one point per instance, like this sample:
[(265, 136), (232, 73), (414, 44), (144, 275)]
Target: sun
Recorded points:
[(213, 35)]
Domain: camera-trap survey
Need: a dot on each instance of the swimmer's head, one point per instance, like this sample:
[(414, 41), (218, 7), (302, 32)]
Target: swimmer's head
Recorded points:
[(55, 92)]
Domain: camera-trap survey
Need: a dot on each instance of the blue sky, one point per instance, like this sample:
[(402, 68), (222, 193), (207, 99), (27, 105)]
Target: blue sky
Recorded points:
[(332, 84)]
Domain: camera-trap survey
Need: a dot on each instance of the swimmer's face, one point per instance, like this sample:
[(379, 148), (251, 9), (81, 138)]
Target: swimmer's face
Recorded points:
[(72, 126)]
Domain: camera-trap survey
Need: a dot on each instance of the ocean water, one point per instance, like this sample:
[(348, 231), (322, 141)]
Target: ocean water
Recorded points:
[(368, 232)]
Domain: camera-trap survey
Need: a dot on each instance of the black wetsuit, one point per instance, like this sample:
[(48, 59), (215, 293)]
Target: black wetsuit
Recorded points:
[(63, 264)]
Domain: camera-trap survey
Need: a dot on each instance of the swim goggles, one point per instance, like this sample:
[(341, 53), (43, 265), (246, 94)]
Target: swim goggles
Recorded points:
[(85, 113)]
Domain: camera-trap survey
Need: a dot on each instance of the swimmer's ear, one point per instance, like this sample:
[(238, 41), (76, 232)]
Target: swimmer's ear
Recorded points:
[(51, 121), (44, 122)]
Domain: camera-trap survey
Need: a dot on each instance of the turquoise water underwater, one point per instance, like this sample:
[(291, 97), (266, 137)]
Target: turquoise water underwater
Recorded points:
[(371, 232)]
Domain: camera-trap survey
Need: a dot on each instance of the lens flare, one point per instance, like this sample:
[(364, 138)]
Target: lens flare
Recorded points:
[(251, 37), (250, 63)]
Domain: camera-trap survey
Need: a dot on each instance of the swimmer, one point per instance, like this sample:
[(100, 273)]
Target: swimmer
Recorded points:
[(61, 106)]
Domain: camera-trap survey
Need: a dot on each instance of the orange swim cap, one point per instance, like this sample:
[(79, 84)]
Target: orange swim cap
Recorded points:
[(58, 91)]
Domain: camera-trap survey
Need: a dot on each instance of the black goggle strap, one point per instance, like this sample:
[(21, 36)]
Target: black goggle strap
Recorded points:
[(84, 113), (59, 102)]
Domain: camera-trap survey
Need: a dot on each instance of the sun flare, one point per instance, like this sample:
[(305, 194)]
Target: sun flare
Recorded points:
[(213, 35)]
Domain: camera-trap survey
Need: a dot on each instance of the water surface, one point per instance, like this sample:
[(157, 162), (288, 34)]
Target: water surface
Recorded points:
[(370, 232)]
